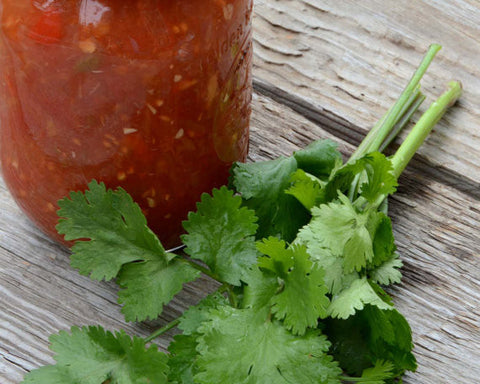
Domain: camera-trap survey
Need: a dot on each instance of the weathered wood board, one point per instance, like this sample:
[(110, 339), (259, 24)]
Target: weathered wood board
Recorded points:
[(323, 69)]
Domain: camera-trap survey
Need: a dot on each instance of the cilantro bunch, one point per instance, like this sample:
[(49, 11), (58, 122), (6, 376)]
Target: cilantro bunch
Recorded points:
[(302, 248)]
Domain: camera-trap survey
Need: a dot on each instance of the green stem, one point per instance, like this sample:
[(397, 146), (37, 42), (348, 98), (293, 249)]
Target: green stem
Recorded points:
[(356, 379), (381, 130), (349, 379), (223, 288), (162, 330), (232, 298), (424, 126), (406, 116), (202, 269)]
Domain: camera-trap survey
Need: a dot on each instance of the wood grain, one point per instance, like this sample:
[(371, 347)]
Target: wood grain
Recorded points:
[(323, 69)]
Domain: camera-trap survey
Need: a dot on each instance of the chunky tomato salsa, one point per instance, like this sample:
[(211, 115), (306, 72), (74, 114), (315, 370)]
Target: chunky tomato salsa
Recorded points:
[(150, 95)]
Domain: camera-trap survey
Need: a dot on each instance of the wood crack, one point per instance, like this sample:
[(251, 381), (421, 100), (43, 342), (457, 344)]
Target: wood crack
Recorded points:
[(16, 364), (324, 118)]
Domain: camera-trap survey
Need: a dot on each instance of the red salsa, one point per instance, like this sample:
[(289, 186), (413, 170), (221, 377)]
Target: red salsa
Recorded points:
[(150, 95)]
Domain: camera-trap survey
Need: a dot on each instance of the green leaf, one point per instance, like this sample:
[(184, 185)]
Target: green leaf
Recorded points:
[(182, 361), (194, 316), (240, 346), (381, 371), (390, 337), (221, 234), (303, 297), (341, 229), (147, 286), (354, 298), (262, 186), (358, 250), (342, 178), (335, 277), (375, 173), (388, 272), (319, 158), (115, 227), (383, 240), (307, 189), (278, 259), (90, 355), (380, 178), (333, 225), (50, 374), (261, 287), (370, 336)]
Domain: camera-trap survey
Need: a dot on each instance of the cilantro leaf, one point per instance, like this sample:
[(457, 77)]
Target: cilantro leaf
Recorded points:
[(302, 299), (373, 170), (354, 298), (369, 336), (278, 259), (50, 374), (358, 250), (380, 178), (90, 355), (261, 287), (390, 337), (194, 316), (147, 286), (183, 353), (115, 226), (384, 268), (221, 234), (240, 346), (384, 247), (333, 225), (335, 277), (307, 189), (342, 178), (182, 361), (343, 230), (381, 371), (262, 186), (319, 158), (388, 272), (120, 244)]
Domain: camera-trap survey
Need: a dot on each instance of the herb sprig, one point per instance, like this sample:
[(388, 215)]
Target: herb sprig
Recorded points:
[(302, 248)]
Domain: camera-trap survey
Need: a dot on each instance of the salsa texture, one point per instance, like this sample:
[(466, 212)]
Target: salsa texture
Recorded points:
[(149, 95)]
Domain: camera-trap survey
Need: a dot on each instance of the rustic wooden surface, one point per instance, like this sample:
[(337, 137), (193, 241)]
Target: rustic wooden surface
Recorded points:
[(322, 69)]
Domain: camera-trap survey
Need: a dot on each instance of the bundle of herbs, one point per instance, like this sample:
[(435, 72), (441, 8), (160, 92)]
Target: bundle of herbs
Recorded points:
[(302, 248)]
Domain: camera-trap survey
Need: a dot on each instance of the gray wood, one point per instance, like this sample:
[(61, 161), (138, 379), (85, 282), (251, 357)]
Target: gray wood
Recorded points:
[(323, 69)]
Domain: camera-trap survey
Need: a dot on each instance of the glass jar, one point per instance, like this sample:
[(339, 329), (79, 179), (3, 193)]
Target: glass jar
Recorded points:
[(150, 95)]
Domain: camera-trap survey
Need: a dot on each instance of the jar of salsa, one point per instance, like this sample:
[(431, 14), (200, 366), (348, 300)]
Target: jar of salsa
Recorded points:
[(149, 95)]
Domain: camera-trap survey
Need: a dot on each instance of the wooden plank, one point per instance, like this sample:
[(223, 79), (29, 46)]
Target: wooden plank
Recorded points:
[(350, 60), (436, 234)]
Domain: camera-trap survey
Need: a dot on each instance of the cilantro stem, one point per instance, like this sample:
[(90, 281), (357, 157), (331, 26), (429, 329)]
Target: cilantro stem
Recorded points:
[(357, 379), (377, 135), (406, 116), (202, 269), (380, 130), (162, 330), (424, 126), (232, 298)]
